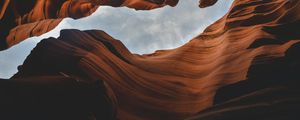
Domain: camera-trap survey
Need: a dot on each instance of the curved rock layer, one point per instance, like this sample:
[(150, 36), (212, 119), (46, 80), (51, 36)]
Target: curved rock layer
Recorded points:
[(271, 92), (206, 3), (178, 83), (22, 19)]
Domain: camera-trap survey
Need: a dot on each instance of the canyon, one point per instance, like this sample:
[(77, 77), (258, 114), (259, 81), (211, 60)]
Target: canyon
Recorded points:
[(243, 66)]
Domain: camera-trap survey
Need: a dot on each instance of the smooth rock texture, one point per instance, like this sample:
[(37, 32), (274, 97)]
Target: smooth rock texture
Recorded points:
[(271, 92), (256, 42), (207, 3), (23, 19), (179, 83)]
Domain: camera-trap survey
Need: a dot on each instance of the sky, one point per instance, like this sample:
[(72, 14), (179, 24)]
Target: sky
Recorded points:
[(140, 31)]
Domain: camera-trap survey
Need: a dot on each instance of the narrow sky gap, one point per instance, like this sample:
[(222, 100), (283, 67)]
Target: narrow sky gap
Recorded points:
[(141, 31)]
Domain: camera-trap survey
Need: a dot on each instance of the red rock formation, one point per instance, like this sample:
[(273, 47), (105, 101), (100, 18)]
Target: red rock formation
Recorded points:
[(271, 92), (22, 19), (173, 84), (207, 3)]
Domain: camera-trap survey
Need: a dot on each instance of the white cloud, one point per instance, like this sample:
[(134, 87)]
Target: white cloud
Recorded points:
[(140, 31)]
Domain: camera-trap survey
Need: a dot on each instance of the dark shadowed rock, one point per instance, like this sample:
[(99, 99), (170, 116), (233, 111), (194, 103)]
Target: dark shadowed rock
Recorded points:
[(253, 42), (54, 98), (271, 92), (207, 3)]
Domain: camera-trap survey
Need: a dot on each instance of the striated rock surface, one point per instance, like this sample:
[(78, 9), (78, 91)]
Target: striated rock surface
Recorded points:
[(206, 3), (271, 92), (179, 83), (21, 19)]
